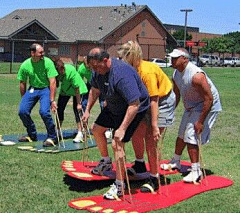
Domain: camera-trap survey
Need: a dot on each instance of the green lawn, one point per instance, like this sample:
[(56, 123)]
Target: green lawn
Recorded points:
[(32, 182), (7, 67)]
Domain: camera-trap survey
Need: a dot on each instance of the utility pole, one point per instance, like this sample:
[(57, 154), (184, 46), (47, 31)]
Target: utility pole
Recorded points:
[(185, 26)]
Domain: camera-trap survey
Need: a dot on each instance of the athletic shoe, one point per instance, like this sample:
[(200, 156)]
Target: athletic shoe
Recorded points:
[(114, 192), (78, 138), (137, 168), (172, 164), (151, 186), (193, 176), (27, 139), (49, 142), (102, 167)]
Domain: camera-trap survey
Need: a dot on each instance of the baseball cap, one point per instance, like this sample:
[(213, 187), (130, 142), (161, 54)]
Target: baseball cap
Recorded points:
[(177, 53)]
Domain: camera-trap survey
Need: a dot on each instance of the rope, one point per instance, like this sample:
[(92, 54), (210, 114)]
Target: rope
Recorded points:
[(199, 140), (159, 157), (61, 134), (88, 130), (127, 179), (85, 140)]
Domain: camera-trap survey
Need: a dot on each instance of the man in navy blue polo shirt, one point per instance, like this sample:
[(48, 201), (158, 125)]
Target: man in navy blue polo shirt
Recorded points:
[(127, 102)]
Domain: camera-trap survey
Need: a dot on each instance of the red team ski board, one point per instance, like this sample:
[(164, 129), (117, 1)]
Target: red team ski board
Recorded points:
[(143, 202), (82, 170)]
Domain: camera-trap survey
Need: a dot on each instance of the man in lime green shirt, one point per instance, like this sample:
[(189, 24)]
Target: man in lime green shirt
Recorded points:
[(40, 72), (71, 85)]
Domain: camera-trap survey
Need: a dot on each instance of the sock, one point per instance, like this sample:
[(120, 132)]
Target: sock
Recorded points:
[(195, 166), (106, 159), (120, 183), (140, 160), (80, 133), (155, 176), (177, 157)]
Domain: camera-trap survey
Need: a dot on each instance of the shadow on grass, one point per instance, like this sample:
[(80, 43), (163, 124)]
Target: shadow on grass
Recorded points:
[(88, 186), (85, 186)]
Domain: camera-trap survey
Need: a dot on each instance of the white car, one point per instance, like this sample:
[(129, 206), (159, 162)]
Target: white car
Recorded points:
[(160, 62), (209, 60), (232, 61)]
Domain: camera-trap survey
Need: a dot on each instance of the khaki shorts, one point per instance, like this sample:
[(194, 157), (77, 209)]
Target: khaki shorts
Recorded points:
[(166, 109), (187, 131)]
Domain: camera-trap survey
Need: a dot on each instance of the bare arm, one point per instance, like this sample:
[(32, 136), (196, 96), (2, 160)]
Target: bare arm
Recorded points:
[(128, 118), (92, 97), (177, 93), (154, 116), (200, 83), (22, 87), (77, 94), (52, 82)]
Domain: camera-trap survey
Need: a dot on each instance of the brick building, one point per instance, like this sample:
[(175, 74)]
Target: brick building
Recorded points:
[(69, 33)]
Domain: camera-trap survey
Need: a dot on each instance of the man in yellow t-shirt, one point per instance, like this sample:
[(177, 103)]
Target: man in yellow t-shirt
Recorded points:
[(159, 116)]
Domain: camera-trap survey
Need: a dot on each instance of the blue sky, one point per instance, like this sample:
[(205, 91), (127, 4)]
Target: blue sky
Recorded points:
[(211, 16)]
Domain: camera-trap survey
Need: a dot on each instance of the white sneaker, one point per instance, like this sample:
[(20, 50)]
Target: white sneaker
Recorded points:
[(114, 192), (172, 164), (78, 138), (193, 176), (108, 134)]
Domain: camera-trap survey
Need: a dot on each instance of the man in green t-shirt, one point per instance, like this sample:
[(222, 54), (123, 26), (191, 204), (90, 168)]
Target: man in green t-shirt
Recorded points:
[(40, 72), (71, 85)]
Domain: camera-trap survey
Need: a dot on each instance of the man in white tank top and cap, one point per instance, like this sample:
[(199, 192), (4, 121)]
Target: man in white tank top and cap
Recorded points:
[(201, 106)]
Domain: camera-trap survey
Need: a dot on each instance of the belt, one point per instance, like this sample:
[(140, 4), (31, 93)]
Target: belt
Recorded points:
[(35, 88), (166, 94)]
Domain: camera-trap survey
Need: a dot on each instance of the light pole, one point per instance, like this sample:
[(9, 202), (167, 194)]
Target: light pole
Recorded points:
[(185, 26)]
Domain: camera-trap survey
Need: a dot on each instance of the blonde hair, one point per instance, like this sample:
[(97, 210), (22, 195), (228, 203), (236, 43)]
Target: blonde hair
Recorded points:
[(131, 52)]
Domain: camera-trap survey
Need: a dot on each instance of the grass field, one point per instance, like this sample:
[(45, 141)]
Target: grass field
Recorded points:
[(32, 182), (7, 67)]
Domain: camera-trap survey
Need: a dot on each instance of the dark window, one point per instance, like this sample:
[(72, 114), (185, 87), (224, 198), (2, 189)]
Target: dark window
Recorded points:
[(64, 50)]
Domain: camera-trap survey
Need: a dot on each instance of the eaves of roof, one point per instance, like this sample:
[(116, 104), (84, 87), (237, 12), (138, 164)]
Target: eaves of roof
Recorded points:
[(29, 24)]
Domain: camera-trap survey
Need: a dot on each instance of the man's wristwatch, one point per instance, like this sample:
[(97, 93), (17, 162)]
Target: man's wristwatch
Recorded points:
[(52, 101)]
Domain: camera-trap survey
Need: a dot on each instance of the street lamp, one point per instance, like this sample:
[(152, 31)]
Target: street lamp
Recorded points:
[(185, 26)]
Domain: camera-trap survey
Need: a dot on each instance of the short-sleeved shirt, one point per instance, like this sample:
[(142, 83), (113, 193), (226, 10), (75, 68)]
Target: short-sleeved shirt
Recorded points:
[(85, 72), (192, 100), (156, 81), (120, 87), (70, 81), (38, 73)]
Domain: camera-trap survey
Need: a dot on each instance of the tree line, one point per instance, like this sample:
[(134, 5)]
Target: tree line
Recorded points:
[(228, 43)]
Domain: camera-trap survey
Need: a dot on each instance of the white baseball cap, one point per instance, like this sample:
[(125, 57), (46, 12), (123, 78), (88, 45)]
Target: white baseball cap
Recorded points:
[(177, 53)]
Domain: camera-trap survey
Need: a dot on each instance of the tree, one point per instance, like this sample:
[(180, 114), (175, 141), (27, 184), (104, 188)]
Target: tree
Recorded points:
[(228, 43), (234, 44), (179, 36)]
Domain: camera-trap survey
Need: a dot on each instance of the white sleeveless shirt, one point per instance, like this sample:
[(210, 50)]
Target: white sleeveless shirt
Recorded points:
[(191, 98)]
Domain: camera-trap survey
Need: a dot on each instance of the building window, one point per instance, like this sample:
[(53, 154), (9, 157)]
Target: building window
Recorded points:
[(64, 50), (52, 51), (143, 24), (143, 33)]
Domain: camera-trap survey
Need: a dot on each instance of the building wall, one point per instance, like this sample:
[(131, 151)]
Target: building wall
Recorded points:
[(200, 36), (146, 30)]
